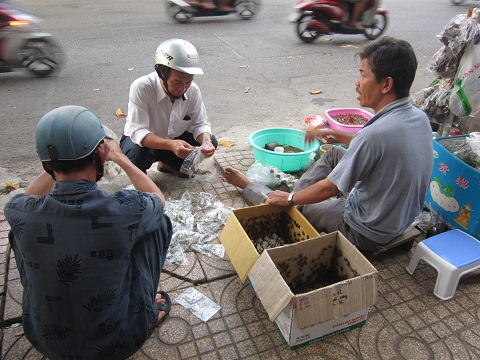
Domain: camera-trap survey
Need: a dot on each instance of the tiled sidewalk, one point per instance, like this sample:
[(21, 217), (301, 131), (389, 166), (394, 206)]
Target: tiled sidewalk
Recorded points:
[(407, 322)]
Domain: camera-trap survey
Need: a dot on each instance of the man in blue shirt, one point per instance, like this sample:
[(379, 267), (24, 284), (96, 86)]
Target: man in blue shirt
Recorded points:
[(89, 261), (374, 190)]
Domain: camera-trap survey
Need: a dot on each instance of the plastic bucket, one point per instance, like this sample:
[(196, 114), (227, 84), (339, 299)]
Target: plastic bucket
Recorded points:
[(285, 161), (330, 113)]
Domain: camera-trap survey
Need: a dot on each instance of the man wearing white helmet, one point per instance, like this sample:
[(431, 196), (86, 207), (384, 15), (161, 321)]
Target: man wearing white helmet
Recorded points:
[(166, 115), (89, 261)]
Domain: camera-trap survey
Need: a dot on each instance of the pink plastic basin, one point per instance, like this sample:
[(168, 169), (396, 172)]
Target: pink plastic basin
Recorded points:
[(343, 111)]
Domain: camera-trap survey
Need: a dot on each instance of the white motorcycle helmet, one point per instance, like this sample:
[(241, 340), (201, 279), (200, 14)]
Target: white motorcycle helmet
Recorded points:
[(176, 54), (179, 55)]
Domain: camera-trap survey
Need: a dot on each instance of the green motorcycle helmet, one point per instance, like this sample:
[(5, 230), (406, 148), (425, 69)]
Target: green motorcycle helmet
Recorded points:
[(68, 133)]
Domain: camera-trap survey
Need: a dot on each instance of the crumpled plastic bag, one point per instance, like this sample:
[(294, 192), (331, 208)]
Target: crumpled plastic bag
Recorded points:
[(263, 174), (434, 101), (196, 219), (424, 221), (474, 141), (192, 164), (195, 162), (466, 149)]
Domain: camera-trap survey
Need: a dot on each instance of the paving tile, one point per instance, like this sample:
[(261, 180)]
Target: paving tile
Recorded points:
[(408, 321)]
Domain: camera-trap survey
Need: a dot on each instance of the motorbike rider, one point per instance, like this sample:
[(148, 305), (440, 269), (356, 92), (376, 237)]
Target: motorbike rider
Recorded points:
[(166, 114), (224, 5), (353, 20)]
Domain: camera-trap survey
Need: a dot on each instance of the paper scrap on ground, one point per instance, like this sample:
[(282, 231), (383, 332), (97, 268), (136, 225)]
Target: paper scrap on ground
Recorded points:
[(217, 250), (198, 304), (226, 143)]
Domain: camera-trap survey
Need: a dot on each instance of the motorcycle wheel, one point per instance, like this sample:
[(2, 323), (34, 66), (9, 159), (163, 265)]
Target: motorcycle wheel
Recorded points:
[(41, 57), (378, 26), (304, 33), (178, 14), (246, 9)]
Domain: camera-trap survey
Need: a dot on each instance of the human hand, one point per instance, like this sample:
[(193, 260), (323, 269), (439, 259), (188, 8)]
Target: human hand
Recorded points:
[(278, 197), (111, 149), (324, 133), (207, 148), (181, 148)]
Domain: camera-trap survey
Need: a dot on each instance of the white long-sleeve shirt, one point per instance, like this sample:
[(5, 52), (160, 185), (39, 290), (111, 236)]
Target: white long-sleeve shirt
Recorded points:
[(150, 110)]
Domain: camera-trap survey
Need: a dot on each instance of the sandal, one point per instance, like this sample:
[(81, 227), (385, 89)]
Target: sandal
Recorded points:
[(163, 307), (167, 169)]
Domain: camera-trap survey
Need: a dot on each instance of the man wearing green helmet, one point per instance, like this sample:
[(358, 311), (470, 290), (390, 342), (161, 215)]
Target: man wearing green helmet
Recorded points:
[(166, 115), (89, 261)]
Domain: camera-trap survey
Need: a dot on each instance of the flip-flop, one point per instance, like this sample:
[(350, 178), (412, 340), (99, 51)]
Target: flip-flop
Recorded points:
[(163, 307)]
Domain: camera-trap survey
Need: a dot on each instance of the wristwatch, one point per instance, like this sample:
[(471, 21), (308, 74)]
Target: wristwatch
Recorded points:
[(290, 198)]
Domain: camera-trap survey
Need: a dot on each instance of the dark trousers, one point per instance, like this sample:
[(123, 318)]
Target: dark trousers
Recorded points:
[(144, 157)]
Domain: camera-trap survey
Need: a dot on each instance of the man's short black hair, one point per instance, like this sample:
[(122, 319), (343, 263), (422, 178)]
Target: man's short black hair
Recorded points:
[(395, 58)]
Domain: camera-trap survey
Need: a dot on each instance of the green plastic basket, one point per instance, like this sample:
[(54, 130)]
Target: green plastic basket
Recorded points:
[(286, 162)]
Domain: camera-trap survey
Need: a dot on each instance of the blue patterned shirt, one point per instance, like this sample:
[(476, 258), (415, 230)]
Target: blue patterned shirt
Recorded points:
[(85, 292)]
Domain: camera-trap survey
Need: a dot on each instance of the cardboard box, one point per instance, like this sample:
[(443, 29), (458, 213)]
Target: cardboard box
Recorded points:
[(454, 189), (246, 225), (315, 288)]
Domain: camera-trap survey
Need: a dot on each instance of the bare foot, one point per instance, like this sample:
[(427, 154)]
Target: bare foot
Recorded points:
[(159, 299), (236, 177)]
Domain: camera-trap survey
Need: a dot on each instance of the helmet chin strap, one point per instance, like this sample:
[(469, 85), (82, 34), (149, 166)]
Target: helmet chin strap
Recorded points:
[(48, 170), (164, 77), (170, 94), (99, 166)]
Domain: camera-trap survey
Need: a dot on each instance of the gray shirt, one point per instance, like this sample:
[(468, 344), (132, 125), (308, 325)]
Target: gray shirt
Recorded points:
[(386, 171), (85, 293)]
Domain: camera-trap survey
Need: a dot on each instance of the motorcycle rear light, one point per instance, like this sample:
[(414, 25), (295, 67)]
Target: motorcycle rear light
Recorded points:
[(18, 23)]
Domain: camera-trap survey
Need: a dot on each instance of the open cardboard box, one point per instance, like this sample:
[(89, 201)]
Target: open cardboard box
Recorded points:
[(315, 288), (246, 225)]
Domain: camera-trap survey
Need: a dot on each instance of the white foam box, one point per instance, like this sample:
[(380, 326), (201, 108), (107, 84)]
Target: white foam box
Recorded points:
[(315, 288)]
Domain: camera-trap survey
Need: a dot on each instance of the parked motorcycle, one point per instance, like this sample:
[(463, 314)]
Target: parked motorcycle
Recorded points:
[(183, 12), (23, 44), (314, 18)]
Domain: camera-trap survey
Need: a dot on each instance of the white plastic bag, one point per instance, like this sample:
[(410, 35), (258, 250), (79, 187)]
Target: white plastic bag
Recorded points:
[(195, 162), (263, 174), (465, 95)]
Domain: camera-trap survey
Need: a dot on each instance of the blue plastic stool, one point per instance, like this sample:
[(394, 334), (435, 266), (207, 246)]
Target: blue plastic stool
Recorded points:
[(453, 254)]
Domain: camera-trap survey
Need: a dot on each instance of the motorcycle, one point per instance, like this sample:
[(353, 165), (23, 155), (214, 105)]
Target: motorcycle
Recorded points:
[(182, 12), (458, 2), (24, 45), (322, 17)]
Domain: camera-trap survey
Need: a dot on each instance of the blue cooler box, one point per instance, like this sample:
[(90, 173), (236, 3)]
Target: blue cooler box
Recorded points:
[(455, 189)]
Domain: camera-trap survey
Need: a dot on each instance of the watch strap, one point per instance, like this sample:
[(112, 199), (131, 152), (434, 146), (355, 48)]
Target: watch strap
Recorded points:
[(290, 198)]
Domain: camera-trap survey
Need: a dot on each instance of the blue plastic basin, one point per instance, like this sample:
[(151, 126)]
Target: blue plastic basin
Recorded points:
[(286, 162)]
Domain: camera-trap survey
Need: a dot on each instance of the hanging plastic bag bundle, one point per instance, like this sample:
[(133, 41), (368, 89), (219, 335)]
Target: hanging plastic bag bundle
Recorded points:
[(434, 99), (459, 34)]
